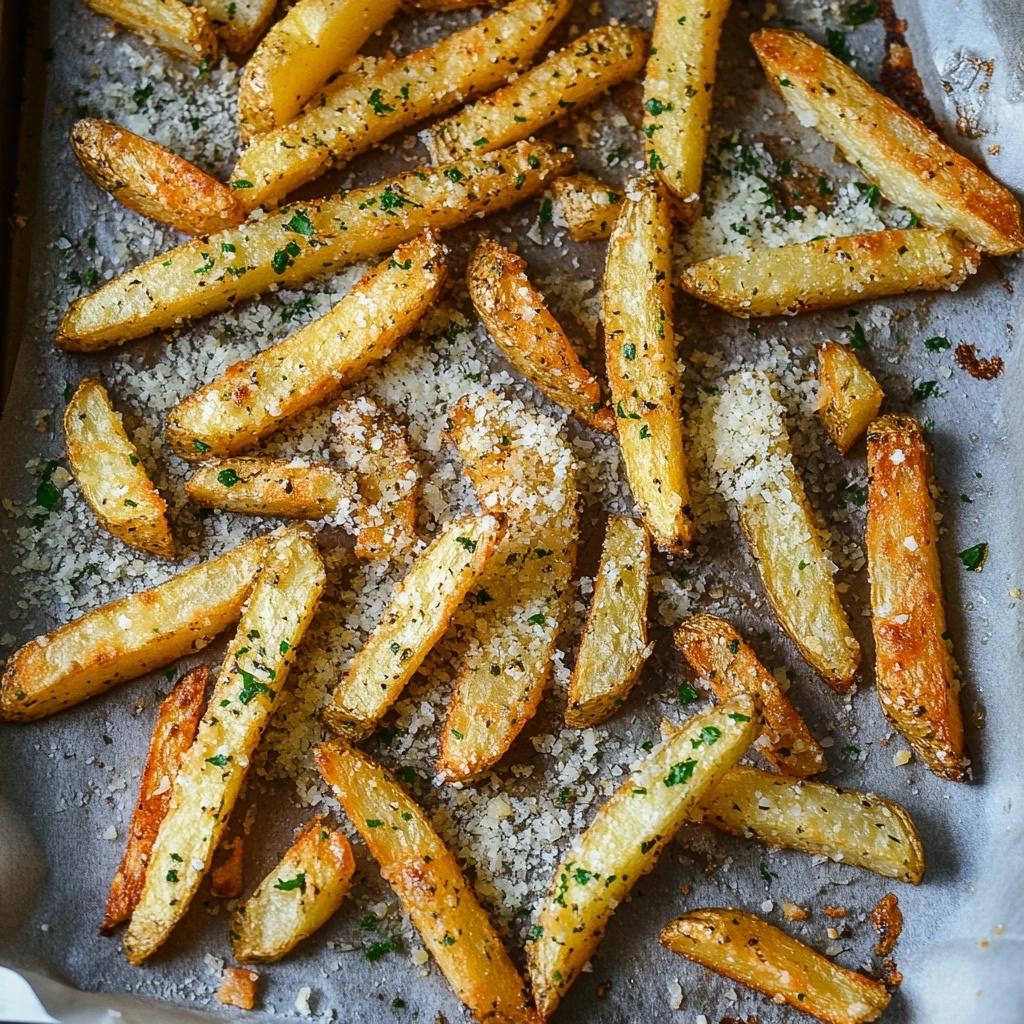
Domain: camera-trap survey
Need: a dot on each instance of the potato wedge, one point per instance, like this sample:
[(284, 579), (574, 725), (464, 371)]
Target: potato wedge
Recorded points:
[(252, 398), (248, 688), (180, 28), (640, 356), (522, 469), (849, 397), (719, 654), (300, 895), (177, 719), (153, 181), (420, 609), (910, 164), (569, 78), (377, 97), (625, 839), (111, 476), (613, 647), (302, 241), (589, 207), (518, 319), (831, 272), (127, 638), (426, 878), (240, 23), (918, 685), (753, 952)]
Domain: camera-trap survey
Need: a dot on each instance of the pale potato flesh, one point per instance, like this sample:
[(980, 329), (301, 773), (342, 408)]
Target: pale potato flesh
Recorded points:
[(849, 397), (589, 206), (240, 23), (180, 28)]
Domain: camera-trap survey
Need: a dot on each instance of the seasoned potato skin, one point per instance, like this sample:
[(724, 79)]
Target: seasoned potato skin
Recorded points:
[(849, 397), (182, 29)]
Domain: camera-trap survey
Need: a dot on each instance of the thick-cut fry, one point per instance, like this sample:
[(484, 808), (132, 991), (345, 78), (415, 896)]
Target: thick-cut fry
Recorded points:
[(176, 721), (302, 241), (518, 319), (640, 356), (153, 181), (377, 97), (240, 23), (718, 652), (917, 681), (426, 878), (110, 474), (522, 469), (182, 29), (251, 680), (911, 165), (625, 839), (419, 612), (613, 647), (849, 397), (753, 952), (831, 272), (568, 79), (300, 895), (589, 207), (127, 638), (251, 399)]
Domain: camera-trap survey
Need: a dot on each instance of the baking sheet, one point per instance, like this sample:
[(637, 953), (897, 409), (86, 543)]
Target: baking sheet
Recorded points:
[(63, 787)]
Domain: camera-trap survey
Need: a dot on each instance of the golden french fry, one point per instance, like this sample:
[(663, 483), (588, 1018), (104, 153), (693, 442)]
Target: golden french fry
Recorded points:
[(849, 397), (240, 23), (180, 28), (589, 207)]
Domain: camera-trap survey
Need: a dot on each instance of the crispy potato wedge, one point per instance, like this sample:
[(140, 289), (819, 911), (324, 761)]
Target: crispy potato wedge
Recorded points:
[(831, 272), (910, 164), (426, 878), (518, 319), (420, 609), (111, 476), (238, 988), (569, 78), (248, 688), (240, 23), (589, 206), (640, 356), (625, 839), (849, 397), (917, 681), (153, 181), (613, 647), (753, 952), (302, 241), (176, 722), (377, 97), (252, 398), (127, 638), (180, 28), (522, 469), (298, 896)]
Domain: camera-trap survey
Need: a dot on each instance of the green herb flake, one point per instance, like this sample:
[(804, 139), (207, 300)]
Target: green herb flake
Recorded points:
[(467, 542), (290, 884), (687, 694), (218, 760), (680, 772), (301, 224), (227, 477), (937, 344), (974, 557)]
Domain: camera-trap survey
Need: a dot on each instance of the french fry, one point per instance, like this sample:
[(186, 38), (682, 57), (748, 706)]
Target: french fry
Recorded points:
[(176, 721), (111, 476), (180, 28), (571, 77), (749, 950), (917, 682), (419, 612), (518, 319), (300, 895), (251, 680), (302, 241), (640, 356), (589, 207), (625, 839), (910, 164), (433, 891), (127, 638), (240, 23), (613, 647), (849, 397)]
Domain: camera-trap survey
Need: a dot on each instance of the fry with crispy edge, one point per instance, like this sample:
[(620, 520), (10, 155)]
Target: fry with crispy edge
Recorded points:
[(180, 28), (251, 680), (176, 721), (719, 654), (252, 398), (910, 164), (566, 80), (240, 23), (107, 468), (298, 896), (915, 674), (849, 397), (640, 357), (420, 609), (753, 952), (433, 891), (377, 97), (518, 319), (625, 839), (589, 206), (302, 241), (129, 637)]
